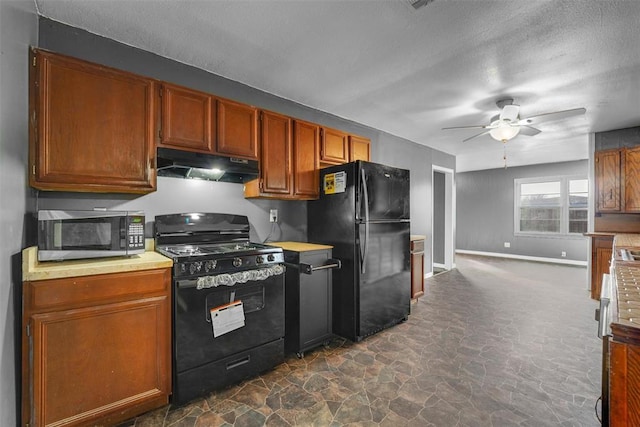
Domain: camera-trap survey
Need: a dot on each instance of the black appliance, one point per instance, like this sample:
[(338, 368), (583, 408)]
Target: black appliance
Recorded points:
[(189, 164), (363, 212), (70, 234), (220, 276)]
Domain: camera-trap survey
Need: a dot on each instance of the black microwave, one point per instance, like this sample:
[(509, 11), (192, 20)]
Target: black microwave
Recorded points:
[(64, 235)]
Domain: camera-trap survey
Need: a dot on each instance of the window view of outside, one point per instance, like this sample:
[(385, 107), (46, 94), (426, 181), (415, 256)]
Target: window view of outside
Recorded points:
[(557, 206), (540, 207), (578, 198)]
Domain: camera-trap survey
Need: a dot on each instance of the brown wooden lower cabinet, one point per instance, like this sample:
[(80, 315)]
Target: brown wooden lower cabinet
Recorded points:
[(96, 349), (624, 377), (417, 267), (601, 252)]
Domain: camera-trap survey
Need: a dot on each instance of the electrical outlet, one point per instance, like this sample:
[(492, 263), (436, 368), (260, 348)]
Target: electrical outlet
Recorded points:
[(563, 254), (507, 244), (273, 215)]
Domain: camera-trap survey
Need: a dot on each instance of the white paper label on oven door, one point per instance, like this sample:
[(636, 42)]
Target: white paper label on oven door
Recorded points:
[(335, 182), (227, 318)]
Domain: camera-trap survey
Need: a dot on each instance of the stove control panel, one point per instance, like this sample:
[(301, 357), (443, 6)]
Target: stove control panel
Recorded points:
[(209, 267)]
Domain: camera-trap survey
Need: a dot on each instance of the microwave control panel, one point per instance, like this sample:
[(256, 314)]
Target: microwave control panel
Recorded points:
[(135, 234)]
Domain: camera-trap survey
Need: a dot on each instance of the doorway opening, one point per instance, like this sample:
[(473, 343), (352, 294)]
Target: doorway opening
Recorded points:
[(443, 220)]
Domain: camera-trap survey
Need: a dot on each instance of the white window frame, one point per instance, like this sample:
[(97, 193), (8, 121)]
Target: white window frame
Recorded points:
[(564, 209)]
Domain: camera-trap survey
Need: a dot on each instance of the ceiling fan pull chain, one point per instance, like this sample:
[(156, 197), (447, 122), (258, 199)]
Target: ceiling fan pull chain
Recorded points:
[(504, 155)]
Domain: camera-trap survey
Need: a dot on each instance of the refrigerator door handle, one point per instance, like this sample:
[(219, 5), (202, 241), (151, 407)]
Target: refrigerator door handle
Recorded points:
[(365, 194)]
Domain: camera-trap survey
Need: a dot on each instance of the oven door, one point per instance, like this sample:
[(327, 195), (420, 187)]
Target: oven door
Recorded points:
[(194, 341)]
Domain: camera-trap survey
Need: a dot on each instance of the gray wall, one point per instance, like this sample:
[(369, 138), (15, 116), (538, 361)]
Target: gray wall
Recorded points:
[(485, 217), (18, 29)]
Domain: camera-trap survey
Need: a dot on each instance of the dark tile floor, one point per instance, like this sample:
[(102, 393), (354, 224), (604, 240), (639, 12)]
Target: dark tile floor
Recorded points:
[(492, 343)]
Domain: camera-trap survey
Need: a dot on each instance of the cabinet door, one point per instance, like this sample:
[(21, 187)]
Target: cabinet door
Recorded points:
[(92, 127), (96, 349), (237, 130), (275, 167), (92, 362), (608, 182), (306, 160), (632, 179), (601, 253), (334, 147), (187, 118), (417, 268), (359, 148)]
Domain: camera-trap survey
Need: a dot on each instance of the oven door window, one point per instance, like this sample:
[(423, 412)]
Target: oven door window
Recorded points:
[(252, 298)]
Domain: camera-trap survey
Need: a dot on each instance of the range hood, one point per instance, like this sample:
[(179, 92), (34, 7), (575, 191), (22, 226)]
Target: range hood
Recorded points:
[(187, 164)]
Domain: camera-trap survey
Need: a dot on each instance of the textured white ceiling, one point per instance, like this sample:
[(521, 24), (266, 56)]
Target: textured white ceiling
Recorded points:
[(407, 72)]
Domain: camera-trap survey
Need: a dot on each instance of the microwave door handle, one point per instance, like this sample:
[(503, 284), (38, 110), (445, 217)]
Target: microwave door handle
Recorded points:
[(365, 193)]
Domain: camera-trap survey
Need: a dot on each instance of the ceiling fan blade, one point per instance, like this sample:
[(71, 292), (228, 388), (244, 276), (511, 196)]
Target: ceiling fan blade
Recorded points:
[(510, 112), (529, 131), (556, 115), (475, 136), (467, 127)]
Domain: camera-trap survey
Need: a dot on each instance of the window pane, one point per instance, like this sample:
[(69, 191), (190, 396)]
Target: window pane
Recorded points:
[(552, 187), (545, 220), (578, 186), (578, 200)]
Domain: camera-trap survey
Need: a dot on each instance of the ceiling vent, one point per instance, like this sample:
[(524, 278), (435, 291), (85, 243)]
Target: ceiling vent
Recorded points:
[(417, 4)]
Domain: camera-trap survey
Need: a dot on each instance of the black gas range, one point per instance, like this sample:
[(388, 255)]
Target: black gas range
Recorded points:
[(217, 270)]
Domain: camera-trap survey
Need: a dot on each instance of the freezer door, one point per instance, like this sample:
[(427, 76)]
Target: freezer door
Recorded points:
[(383, 193), (385, 276)]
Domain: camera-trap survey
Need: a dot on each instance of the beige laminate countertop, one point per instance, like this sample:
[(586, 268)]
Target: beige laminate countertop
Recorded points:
[(32, 269), (418, 237), (300, 246), (628, 240)]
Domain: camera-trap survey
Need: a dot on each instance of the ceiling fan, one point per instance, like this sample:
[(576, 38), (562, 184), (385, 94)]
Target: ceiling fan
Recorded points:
[(508, 123)]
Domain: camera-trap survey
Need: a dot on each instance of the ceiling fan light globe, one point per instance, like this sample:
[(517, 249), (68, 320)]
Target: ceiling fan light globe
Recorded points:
[(503, 131)]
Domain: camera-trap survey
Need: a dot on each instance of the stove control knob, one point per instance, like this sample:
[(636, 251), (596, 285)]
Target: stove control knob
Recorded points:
[(210, 265), (237, 262), (196, 266), (259, 259), (270, 258)]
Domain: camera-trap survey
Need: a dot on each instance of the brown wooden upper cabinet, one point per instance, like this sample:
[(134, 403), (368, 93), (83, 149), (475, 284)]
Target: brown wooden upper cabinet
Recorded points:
[(617, 180), (306, 152), (275, 162), (359, 148), (632, 179), (334, 147), (288, 166), (188, 119), (237, 133), (92, 128)]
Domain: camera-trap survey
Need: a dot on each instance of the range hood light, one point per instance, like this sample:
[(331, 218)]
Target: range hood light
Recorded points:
[(186, 164), (208, 174)]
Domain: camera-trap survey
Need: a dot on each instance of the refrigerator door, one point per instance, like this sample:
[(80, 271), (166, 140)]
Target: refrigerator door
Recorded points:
[(385, 277), (382, 193)]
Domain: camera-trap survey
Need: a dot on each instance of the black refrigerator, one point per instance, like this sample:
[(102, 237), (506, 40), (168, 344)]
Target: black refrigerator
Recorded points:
[(363, 212)]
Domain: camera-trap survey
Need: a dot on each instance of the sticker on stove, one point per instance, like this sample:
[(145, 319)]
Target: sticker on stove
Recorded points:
[(227, 318), (335, 182)]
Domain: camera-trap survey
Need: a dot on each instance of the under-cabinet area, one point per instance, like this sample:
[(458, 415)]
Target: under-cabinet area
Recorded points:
[(96, 339)]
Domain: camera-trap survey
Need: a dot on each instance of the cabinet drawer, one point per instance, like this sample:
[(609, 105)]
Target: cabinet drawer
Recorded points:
[(417, 246), (88, 290)]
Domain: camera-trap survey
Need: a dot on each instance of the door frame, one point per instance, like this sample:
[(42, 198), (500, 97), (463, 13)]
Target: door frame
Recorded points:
[(449, 216)]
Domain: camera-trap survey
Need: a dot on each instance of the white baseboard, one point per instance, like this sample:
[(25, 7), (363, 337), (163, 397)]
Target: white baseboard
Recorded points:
[(524, 257)]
